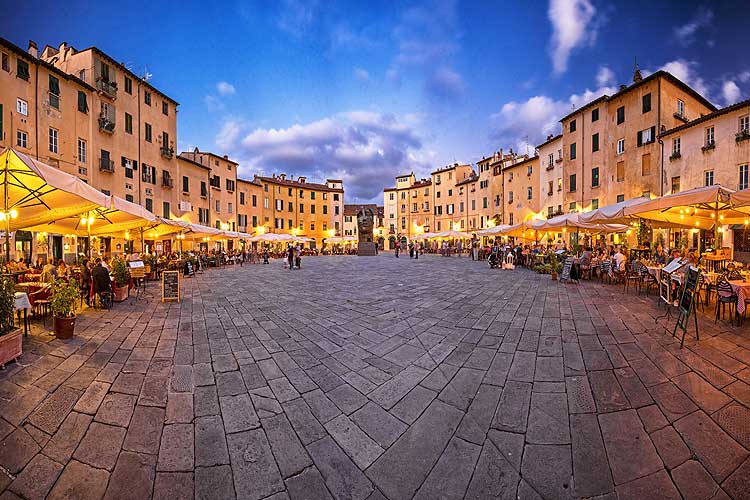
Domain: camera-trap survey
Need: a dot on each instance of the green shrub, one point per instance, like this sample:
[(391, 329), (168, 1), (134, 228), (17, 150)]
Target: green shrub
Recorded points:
[(7, 302), (65, 295)]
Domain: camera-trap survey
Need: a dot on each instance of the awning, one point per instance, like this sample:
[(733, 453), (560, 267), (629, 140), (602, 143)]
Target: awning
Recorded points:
[(40, 194), (612, 214)]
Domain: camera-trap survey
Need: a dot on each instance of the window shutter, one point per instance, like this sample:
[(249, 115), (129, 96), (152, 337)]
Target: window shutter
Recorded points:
[(653, 134), (54, 85), (135, 165), (640, 138)]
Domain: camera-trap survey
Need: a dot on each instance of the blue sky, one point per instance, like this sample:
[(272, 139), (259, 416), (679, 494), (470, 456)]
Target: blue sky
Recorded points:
[(364, 92)]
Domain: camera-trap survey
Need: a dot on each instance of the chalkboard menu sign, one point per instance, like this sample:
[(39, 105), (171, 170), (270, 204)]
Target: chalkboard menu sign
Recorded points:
[(691, 284), (170, 286), (189, 271)]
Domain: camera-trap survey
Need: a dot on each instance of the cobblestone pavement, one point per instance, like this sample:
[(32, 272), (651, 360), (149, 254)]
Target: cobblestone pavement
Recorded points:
[(372, 378)]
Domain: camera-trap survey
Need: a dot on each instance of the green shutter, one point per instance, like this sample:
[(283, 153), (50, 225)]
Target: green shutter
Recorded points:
[(83, 106), (54, 85)]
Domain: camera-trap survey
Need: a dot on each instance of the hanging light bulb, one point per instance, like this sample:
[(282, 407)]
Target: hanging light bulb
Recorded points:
[(13, 213)]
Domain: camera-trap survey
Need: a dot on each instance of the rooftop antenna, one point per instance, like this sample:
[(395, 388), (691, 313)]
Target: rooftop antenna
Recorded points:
[(147, 76), (526, 139)]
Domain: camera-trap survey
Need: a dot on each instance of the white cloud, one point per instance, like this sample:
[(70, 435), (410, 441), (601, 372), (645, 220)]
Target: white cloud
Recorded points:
[(686, 33), (213, 103), (605, 76), (572, 27), (444, 82), (731, 92), (362, 75), (365, 148), (744, 77), (225, 89), (296, 17), (687, 71)]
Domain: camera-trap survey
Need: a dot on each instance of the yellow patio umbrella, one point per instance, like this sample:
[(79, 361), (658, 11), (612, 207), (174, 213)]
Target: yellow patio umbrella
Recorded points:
[(35, 193)]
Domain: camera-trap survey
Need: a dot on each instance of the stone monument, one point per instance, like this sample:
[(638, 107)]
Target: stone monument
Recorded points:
[(365, 225)]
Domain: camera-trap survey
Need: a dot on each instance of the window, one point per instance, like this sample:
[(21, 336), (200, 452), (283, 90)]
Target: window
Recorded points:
[(680, 107), (291, 206), (129, 123), (150, 205), (413, 207), (53, 140), (646, 136), (620, 171), (148, 174), (279, 205), (325, 196), (54, 92), (646, 103), (204, 191), (745, 123), (22, 139), (147, 98), (708, 177), (242, 198), (218, 206), (529, 195), (595, 115), (594, 203), (22, 69), (572, 125), (510, 219), (510, 200), (743, 184), (335, 197), (676, 184), (81, 150), (230, 207), (312, 195), (165, 209), (710, 136), (620, 114), (22, 107), (550, 188), (128, 86), (572, 183), (620, 198), (129, 197), (185, 184), (230, 185), (620, 146), (6, 62), (255, 201), (573, 151), (147, 133), (165, 108), (572, 206), (529, 170), (595, 177), (595, 142), (83, 105), (676, 145), (551, 160), (646, 164), (312, 210), (128, 166)]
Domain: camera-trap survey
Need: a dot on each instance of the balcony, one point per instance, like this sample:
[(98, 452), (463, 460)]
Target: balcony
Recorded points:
[(742, 135), (681, 116), (559, 160), (167, 152), (550, 167), (106, 125), (106, 165), (167, 182), (106, 87)]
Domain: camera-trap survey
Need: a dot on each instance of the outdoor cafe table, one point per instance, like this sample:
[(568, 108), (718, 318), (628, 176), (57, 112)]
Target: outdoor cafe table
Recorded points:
[(742, 289), (22, 303)]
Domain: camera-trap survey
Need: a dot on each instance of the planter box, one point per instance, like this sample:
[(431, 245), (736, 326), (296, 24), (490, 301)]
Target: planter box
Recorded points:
[(120, 293), (64, 327), (11, 346)]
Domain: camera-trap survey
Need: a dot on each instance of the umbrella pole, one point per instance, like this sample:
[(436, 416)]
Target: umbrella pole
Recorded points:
[(7, 213), (88, 232)]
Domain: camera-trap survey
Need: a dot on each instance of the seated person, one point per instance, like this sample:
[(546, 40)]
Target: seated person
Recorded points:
[(101, 279), (62, 269)]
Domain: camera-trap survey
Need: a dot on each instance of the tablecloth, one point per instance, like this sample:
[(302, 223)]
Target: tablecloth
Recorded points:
[(742, 289), (22, 301)]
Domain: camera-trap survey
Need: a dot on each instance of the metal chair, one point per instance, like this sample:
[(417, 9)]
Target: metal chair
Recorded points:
[(724, 295), (632, 274)]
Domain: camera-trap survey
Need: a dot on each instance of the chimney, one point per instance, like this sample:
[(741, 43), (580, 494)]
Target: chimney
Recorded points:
[(623, 87), (33, 50), (302, 179), (637, 77), (62, 48), (226, 157), (550, 136), (196, 151), (282, 177)]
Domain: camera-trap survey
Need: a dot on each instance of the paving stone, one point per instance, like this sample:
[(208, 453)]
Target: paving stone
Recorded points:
[(476, 422), (80, 481), (322, 407), (254, 470), (347, 398), (305, 424), (116, 409), (634, 390), (37, 478), (100, 446), (154, 391), (283, 390), (174, 486), (230, 383), (670, 446), (580, 397), (548, 470), (54, 409), (181, 379), (179, 408), (608, 394), (413, 404), (631, 453), (205, 401), (62, 445), (706, 396), (144, 431), (693, 481), (308, 484), (391, 392), (238, 413), (133, 477), (378, 424), (522, 368), (291, 456), (461, 389), (128, 383), (16, 450), (343, 478), (92, 398), (210, 442), (652, 418), (203, 375), (718, 452), (737, 485), (672, 401), (403, 467), (656, 486), (214, 482), (513, 411), (355, 443), (590, 467), (451, 475), (176, 451)]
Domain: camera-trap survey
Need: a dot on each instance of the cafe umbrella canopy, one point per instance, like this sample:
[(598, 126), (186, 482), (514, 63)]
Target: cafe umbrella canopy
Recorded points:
[(35, 193)]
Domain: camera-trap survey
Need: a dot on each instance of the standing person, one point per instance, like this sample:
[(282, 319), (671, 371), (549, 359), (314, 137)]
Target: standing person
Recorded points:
[(411, 250), (297, 257), (459, 247), (398, 248), (416, 250), (290, 257)]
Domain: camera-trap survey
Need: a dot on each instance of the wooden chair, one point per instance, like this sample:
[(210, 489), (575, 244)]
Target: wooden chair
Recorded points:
[(632, 275)]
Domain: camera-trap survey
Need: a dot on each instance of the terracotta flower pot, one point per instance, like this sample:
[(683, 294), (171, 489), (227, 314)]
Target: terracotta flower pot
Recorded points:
[(11, 346), (120, 293), (64, 327), (554, 276)]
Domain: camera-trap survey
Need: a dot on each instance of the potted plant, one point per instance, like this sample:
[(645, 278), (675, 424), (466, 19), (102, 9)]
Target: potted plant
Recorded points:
[(553, 265), (65, 296), (122, 280), (11, 339)]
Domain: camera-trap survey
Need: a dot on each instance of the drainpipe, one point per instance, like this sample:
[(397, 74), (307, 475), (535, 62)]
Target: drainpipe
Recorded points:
[(36, 107), (662, 179)]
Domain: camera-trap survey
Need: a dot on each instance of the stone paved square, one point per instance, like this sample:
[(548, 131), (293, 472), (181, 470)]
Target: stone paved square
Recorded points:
[(379, 378)]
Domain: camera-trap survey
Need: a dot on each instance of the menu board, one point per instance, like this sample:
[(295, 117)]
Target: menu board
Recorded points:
[(691, 284), (170, 286), (567, 265)]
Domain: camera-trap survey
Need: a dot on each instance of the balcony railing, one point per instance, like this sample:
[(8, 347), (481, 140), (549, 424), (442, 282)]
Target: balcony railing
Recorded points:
[(709, 146), (167, 182), (167, 152), (675, 156), (107, 88), (106, 125), (681, 116), (106, 165), (742, 135)]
